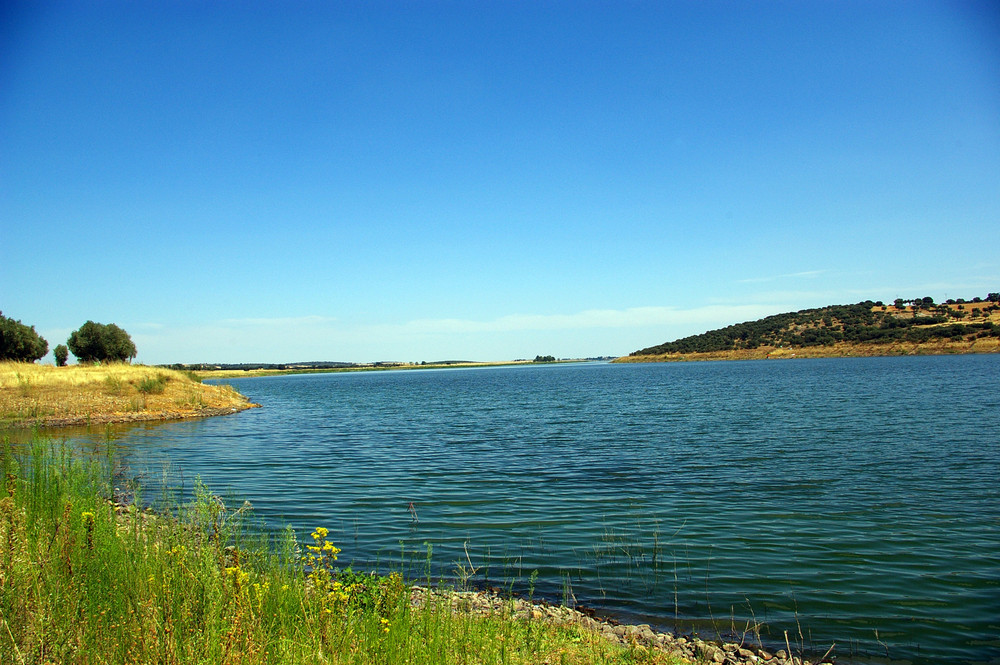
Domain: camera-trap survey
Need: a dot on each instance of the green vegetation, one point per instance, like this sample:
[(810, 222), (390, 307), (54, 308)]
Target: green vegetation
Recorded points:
[(88, 578), (152, 385), (98, 342), (20, 342), (545, 359), (61, 354), (862, 323)]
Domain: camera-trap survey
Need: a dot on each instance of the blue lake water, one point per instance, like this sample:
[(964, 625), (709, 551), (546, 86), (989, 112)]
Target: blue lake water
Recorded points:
[(853, 501)]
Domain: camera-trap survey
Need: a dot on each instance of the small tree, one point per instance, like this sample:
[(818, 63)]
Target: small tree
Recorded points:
[(98, 342), (20, 342), (61, 354)]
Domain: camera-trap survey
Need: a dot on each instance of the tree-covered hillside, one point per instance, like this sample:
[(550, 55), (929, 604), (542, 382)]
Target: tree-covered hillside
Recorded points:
[(918, 320)]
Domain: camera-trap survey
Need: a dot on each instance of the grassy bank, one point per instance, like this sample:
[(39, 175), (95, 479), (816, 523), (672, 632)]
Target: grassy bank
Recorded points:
[(33, 394), (86, 580), (838, 350)]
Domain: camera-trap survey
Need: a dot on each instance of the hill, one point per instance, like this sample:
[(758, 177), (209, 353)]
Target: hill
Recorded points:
[(864, 328)]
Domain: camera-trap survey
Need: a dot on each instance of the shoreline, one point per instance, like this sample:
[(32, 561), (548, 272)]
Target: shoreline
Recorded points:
[(838, 350), (126, 418), (688, 647), (248, 373), (46, 396)]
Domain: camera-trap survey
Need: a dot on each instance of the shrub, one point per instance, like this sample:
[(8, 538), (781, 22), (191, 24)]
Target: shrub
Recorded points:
[(61, 354), (152, 385), (98, 342), (20, 342)]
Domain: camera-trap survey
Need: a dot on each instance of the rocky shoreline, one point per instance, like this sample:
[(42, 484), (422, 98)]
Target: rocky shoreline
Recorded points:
[(690, 648), (122, 418)]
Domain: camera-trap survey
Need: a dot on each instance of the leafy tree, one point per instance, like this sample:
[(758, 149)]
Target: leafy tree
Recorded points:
[(545, 359), (98, 342), (61, 354), (993, 297), (20, 342)]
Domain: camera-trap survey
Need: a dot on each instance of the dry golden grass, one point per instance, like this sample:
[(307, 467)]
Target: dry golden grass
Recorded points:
[(33, 394), (983, 315)]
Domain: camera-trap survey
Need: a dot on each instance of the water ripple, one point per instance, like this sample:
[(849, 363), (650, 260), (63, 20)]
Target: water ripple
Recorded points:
[(839, 496)]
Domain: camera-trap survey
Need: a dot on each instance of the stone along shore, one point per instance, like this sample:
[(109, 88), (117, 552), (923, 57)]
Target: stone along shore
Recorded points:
[(642, 636)]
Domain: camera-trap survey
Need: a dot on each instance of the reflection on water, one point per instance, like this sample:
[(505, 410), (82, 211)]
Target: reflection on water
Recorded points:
[(828, 498)]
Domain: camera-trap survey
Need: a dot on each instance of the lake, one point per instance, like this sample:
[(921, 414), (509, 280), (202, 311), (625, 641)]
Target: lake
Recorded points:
[(846, 500)]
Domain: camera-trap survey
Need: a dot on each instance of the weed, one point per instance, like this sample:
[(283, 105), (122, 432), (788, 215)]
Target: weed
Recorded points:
[(90, 578), (23, 385), (114, 384), (152, 385)]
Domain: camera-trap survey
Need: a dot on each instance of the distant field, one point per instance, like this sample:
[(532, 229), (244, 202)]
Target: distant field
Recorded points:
[(33, 394), (236, 373)]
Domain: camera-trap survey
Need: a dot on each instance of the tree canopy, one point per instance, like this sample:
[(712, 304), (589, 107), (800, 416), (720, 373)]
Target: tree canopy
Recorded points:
[(20, 342), (61, 354), (99, 342)]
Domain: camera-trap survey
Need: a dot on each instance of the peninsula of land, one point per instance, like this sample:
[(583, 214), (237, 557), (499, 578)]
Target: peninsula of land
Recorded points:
[(915, 327), (47, 396)]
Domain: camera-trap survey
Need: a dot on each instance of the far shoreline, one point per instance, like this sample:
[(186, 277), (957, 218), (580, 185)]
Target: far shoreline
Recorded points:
[(838, 350), (292, 368)]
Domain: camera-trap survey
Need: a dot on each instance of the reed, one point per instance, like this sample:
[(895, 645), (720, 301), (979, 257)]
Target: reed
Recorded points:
[(87, 579)]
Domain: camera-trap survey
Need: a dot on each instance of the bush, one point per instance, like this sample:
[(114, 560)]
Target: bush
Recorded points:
[(61, 354), (20, 342), (153, 385), (98, 342)]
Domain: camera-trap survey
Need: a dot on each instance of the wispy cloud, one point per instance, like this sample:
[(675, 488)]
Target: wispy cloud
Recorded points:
[(315, 337), (286, 321), (594, 318), (807, 274)]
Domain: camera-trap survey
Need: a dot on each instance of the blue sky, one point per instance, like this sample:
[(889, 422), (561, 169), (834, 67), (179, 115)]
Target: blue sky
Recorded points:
[(359, 181)]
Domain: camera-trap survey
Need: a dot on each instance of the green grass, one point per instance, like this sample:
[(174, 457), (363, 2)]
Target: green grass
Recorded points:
[(83, 580), (154, 385)]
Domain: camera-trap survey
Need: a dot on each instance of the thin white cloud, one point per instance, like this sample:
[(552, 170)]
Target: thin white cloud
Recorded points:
[(594, 318), (807, 274), (313, 337), (312, 320)]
